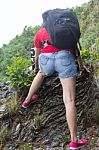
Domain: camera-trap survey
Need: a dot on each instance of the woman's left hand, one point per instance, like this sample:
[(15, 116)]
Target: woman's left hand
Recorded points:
[(82, 68)]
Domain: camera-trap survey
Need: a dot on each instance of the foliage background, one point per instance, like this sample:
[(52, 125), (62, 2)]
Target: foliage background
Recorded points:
[(88, 15)]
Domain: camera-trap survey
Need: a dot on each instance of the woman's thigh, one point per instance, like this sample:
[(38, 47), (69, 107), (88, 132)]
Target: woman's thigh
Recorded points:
[(68, 85)]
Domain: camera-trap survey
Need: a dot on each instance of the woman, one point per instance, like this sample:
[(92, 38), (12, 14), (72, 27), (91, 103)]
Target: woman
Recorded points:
[(52, 59)]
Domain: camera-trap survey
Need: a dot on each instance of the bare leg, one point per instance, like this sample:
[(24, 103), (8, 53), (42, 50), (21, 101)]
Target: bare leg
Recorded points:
[(68, 85), (37, 81)]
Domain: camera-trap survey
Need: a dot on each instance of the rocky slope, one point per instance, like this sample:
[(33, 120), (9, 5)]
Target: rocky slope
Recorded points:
[(43, 124)]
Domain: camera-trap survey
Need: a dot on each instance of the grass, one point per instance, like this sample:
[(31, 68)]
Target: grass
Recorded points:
[(26, 146), (4, 133), (97, 112), (38, 120), (11, 105)]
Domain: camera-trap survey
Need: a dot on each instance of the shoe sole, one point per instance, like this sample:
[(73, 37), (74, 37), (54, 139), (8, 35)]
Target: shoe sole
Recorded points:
[(24, 106), (78, 147), (29, 104)]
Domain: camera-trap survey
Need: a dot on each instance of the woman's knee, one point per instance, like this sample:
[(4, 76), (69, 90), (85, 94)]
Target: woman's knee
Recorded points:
[(42, 75)]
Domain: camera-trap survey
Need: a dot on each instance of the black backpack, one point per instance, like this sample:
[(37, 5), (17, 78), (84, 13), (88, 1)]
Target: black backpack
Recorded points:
[(63, 27)]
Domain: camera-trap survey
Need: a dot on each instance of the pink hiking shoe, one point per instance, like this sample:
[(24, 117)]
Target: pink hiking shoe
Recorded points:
[(26, 104), (79, 144)]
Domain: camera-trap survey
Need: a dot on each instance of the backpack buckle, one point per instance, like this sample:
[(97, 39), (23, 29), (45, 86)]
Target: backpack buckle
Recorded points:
[(46, 43)]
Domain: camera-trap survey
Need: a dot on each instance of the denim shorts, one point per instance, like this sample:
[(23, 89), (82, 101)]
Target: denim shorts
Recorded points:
[(62, 62)]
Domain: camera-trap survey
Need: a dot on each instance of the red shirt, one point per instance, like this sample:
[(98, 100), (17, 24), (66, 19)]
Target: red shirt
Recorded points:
[(42, 36)]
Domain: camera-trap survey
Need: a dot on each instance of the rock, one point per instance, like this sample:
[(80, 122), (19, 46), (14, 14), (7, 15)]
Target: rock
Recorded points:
[(5, 91), (2, 85), (47, 124), (5, 88), (3, 108)]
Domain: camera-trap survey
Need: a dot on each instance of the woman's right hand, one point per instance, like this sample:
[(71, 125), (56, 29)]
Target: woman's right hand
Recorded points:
[(36, 70)]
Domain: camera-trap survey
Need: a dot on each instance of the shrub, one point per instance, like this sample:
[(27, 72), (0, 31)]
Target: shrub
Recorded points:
[(89, 56), (19, 73)]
